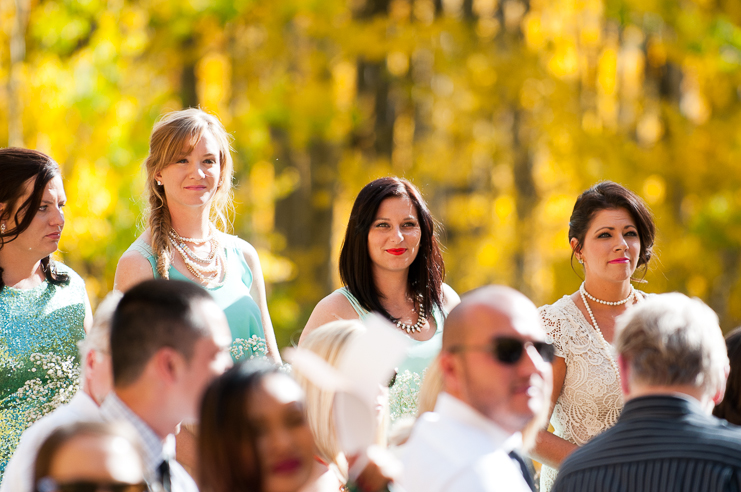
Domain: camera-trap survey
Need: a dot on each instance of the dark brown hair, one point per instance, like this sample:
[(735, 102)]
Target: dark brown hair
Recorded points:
[(426, 272), (66, 433), (151, 315), (730, 407), (608, 195), (228, 459), (18, 166)]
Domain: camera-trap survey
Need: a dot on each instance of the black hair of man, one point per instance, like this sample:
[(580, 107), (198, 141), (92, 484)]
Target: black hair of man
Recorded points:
[(150, 316)]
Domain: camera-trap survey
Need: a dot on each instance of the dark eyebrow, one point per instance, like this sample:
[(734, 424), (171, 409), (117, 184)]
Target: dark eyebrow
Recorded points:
[(610, 228)]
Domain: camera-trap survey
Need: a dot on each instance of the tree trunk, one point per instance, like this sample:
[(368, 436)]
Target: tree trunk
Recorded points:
[(15, 78)]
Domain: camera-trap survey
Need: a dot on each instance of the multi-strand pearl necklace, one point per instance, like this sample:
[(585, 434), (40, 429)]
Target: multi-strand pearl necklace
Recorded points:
[(208, 269), (416, 327), (584, 295)]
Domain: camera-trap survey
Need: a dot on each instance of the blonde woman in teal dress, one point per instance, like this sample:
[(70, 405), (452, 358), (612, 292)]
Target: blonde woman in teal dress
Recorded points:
[(44, 309), (189, 183), (391, 264)]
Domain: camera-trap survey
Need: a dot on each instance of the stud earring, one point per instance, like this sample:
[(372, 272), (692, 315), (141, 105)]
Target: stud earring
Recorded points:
[(580, 260), (159, 183)]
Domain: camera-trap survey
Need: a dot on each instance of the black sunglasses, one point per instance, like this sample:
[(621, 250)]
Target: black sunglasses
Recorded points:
[(392, 381), (50, 485), (509, 350)]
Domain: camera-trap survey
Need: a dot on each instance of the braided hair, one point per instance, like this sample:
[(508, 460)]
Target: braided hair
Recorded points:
[(170, 135)]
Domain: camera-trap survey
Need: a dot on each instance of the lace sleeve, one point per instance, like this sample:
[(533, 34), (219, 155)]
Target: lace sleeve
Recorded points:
[(556, 328)]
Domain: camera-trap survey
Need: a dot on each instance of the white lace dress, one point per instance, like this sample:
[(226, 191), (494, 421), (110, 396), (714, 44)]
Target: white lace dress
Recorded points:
[(591, 399)]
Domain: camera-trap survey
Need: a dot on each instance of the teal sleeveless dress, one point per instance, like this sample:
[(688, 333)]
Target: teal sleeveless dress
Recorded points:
[(404, 394), (233, 296), (39, 366)]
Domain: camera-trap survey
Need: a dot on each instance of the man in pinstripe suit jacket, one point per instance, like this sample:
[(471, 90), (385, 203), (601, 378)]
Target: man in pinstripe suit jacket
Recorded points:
[(673, 368)]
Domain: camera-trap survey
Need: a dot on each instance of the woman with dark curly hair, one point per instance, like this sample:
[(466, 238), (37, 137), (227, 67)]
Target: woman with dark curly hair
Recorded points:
[(44, 308), (391, 264), (611, 233)]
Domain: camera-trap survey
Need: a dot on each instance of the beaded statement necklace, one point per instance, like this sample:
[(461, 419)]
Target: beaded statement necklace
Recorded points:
[(208, 269), (584, 295), (416, 327)]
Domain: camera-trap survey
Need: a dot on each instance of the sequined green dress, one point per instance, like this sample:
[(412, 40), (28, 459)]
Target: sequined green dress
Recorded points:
[(39, 370)]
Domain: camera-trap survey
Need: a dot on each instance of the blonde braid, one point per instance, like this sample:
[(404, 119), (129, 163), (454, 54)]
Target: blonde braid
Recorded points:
[(159, 227)]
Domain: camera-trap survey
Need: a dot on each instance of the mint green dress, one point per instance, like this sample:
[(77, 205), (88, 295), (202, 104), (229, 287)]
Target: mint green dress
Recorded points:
[(404, 394), (39, 367), (233, 296)]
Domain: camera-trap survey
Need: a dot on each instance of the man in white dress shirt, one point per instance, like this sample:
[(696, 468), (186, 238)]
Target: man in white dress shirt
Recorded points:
[(95, 383), (169, 339), (496, 380)]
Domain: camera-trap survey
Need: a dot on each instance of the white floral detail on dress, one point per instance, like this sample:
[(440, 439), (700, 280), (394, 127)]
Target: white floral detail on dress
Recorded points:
[(254, 348), (591, 399)]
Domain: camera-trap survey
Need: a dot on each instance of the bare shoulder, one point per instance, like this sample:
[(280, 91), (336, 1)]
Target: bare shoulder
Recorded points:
[(450, 298), (332, 308), (132, 268), (249, 252)]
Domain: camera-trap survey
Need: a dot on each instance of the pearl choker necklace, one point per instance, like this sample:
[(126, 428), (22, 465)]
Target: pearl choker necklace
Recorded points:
[(583, 292)]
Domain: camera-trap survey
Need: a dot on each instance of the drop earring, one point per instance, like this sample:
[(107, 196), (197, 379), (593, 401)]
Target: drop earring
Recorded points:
[(2, 228)]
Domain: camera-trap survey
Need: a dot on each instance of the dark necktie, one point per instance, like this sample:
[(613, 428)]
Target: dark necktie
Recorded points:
[(163, 474), (526, 474)]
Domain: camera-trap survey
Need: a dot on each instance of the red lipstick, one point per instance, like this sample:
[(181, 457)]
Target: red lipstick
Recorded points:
[(396, 251), (290, 465)]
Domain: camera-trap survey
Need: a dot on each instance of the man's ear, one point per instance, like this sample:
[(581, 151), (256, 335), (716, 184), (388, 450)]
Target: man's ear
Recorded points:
[(167, 364), (449, 371), (721, 392), (624, 368)]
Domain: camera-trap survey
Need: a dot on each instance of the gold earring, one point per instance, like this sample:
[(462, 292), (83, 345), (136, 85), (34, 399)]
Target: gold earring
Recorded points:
[(2, 228)]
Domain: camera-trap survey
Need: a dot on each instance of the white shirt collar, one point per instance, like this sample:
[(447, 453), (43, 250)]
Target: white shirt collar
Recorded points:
[(455, 409)]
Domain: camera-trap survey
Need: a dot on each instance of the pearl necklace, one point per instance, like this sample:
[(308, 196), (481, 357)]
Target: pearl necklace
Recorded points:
[(583, 291), (209, 270), (584, 295), (416, 327)]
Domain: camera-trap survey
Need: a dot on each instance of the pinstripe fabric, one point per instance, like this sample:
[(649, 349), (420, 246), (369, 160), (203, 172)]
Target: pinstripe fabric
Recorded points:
[(660, 444)]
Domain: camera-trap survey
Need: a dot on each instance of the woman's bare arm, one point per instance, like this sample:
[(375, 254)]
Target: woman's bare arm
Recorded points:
[(549, 449)]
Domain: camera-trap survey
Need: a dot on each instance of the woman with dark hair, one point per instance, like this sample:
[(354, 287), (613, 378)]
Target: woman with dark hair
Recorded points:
[(730, 408), (391, 264), (611, 233), (44, 308), (254, 434)]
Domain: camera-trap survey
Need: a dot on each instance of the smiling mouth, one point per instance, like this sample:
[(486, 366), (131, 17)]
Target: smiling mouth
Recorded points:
[(620, 260), (396, 251)]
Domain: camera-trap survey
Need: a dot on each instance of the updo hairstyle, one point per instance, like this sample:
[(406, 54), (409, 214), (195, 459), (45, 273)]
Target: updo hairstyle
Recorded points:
[(608, 195)]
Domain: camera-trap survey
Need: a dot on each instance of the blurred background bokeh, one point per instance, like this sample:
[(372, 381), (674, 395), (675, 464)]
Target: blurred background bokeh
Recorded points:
[(501, 111)]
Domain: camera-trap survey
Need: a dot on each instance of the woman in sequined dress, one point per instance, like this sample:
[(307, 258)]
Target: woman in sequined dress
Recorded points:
[(189, 186), (44, 308), (611, 232), (391, 263)]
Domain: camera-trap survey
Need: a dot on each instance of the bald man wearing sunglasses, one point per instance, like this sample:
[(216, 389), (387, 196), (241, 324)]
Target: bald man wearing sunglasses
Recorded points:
[(496, 384)]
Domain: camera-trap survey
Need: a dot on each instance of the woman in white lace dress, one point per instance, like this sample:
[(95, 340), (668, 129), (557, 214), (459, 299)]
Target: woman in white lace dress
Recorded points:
[(611, 232)]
